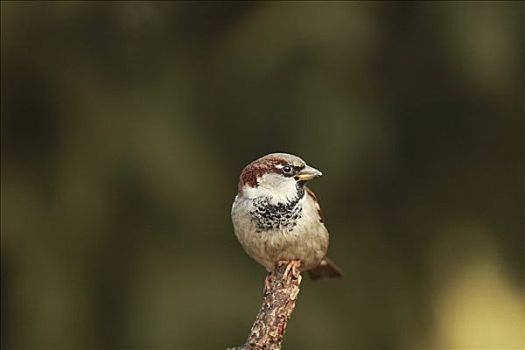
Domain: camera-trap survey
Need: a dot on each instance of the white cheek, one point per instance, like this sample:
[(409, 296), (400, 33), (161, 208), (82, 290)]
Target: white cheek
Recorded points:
[(274, 186)]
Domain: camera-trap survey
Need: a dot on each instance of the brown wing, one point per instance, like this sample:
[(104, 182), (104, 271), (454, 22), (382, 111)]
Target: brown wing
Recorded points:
[(317, 206), (327, 268)]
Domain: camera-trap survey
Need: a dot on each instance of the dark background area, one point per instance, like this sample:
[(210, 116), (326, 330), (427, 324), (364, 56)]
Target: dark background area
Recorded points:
[(125, 125)]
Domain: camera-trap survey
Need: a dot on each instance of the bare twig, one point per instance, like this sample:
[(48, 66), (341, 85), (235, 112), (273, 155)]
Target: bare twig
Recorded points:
[(280, 294)]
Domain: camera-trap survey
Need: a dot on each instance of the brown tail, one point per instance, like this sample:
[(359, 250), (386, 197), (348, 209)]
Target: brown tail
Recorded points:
[(326, 269)]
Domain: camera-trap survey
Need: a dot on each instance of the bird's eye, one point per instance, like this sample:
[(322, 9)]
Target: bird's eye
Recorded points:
[(287, 170)]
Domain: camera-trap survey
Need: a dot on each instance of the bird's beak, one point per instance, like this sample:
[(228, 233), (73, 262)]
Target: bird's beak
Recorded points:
[(308, 173)]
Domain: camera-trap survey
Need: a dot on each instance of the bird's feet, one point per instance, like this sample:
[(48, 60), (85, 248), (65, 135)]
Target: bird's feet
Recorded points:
[(292, 267), (268, 282)]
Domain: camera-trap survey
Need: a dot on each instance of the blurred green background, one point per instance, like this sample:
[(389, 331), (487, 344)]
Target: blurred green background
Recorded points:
[(125, 126)]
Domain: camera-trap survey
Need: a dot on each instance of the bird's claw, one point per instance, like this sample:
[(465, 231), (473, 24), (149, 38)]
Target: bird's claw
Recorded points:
[(293, 267), (267, 282)]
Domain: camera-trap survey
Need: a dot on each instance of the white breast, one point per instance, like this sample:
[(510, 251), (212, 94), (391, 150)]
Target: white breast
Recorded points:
[(307, 241)]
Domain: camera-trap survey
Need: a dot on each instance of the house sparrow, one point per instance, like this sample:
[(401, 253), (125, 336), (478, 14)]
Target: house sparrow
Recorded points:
[(277, 218)]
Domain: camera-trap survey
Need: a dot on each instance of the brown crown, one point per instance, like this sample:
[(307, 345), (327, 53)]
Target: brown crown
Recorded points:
[(257, 168)]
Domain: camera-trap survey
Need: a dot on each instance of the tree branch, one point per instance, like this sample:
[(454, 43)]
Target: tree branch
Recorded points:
[(280, 294)]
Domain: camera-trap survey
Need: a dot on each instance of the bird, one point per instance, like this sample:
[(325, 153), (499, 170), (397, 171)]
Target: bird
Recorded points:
[(278, 219)]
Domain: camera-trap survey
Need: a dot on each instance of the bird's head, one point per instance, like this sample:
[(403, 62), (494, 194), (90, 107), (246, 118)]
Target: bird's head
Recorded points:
[(278, 176)]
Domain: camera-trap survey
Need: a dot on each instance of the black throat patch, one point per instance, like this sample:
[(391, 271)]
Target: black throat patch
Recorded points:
[(281, 215)]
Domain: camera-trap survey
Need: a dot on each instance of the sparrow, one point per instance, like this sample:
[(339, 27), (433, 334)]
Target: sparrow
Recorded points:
[(277, 218)]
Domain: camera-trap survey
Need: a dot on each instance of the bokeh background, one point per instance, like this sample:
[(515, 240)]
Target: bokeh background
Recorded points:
[(125, 126)]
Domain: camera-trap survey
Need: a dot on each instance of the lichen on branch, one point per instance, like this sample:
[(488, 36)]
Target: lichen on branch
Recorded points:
[(280, 294)]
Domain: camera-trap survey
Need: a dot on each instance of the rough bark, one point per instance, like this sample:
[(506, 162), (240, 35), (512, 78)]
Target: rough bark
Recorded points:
[(280, 294)]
